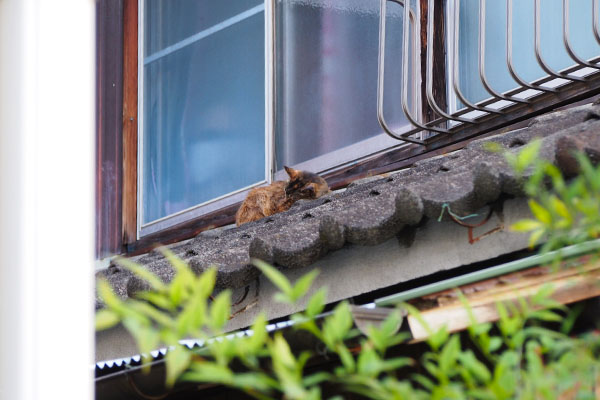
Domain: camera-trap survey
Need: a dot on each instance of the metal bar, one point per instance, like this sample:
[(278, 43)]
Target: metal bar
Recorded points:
[(429, 75), (566, 40), (482, 75), (595, 27), (566, 252), (509, 60), (381, 74), (538, 50), (456, 75)]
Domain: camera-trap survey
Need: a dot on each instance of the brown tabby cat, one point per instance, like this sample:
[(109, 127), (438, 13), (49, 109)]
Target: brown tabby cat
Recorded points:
[(279, 195)]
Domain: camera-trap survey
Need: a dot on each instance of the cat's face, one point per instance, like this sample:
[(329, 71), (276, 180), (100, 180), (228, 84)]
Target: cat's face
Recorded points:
[(304, 185)]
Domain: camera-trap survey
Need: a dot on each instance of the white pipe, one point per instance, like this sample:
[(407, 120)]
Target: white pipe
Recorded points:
[(46, 198)]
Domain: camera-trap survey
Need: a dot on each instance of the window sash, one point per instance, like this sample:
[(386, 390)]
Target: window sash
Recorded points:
[(321, 164), (144, 229)]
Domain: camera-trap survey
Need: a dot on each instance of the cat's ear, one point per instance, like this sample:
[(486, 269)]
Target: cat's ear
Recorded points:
[(293, 173)]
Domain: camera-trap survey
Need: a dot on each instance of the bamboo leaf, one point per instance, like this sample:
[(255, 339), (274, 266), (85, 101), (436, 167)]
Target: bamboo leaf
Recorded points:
[(316, 303), (177, 361), (276, 277), (106, 319), (220, 310), (142, 273), (303, 284), (535, 237), (560, 208), (525, 225), (540, 212)]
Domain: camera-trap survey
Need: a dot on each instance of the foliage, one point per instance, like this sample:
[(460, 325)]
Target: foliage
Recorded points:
[(527, 354), (519, 358), (564, 213)]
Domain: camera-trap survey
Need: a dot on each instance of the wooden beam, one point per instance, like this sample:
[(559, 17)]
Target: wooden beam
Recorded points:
[(130, 120), (439, 58), (109, 105), (570, 285)]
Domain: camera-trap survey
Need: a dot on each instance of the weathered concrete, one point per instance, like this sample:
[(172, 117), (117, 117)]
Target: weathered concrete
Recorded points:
[(375, 210), (357, 269)]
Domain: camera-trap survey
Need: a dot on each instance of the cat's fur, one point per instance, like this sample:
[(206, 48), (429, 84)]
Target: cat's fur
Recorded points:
[(280, 195)]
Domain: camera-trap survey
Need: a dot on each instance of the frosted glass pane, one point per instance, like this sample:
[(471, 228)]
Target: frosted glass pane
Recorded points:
[(526, 65), (327, 75), (204, 120), (167, 22)]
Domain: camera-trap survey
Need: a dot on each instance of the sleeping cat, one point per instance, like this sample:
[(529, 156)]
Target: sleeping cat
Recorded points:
[(279, 195)]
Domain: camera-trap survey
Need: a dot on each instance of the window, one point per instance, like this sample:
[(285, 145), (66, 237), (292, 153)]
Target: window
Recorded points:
[(226, 100), (523, 53), (219, 95), (202, 106)]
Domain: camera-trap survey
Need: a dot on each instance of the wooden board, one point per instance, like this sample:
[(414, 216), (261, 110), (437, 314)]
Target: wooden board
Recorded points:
[(130, 120), (570, 285)]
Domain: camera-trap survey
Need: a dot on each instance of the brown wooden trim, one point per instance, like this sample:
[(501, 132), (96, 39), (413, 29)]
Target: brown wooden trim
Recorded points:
[(439, 59), (130, 120), (185, 230), (109, 104)]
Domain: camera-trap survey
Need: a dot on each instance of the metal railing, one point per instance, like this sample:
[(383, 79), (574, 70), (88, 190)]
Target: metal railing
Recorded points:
[(501, 108)]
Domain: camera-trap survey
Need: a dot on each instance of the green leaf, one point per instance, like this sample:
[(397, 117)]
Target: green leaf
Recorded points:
[(177, 360), (346, 357), (158, 299), (282, 298), (142, 273), (438, 338), (337, 325), (276, 277), (476, 367), (316, 303), (369, 363), (245, 381), (560, 208), (494, 344), (151, 312), (588, 171), (316, 378), (303, 284), (282, 351), (220, 310), (449, 354), (528, 155), (214, 373), (423, 381), (106, 319), (546, 315), (182, 268), (540, 212), (525, 225), (543, 293), (256, 342), (148, 339), (535, 237), (393, 364), (108, 296), (205, 283)]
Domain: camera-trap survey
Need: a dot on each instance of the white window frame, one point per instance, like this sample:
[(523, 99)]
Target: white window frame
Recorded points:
[(324, 163)]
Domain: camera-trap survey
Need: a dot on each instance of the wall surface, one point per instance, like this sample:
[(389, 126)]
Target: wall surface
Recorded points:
[(46, 198)]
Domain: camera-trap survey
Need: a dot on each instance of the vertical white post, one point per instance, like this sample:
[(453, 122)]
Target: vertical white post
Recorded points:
[(46, 198)]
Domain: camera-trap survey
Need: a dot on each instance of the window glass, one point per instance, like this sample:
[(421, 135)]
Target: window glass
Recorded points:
[(203, 103), (170, 21), (327, 75), (553, 50)]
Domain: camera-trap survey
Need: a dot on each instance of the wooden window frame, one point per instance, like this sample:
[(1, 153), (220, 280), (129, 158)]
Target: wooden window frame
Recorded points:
[(121, 235)]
